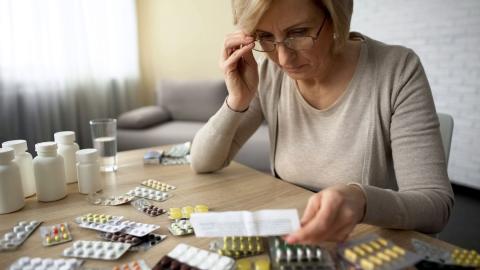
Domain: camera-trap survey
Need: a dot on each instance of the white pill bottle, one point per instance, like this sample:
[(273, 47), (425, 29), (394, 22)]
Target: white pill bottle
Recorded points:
[(11, 191), (88, 171), (25, 163), (49, 173), (67, 148)]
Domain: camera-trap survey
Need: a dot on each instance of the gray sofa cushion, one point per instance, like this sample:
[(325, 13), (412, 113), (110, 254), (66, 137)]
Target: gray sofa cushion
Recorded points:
[(143, 117), (171, 132), (191, 100)]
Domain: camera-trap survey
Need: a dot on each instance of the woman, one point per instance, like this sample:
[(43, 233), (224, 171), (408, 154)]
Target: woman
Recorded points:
[(348, 116)]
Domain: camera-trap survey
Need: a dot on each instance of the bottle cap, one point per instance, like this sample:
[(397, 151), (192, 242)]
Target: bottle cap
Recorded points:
[(87, 155), (19, 146), (6, 155), (64, 137), (46, 147)]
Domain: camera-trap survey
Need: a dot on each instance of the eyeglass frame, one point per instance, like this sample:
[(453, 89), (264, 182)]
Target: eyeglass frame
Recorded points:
[(285, 40)]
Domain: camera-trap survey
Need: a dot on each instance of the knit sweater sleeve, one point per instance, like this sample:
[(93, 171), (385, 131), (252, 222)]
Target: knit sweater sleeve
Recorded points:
[(424, 198), (219, 140)]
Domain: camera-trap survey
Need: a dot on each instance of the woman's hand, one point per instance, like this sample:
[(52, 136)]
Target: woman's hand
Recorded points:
[(330, 215), (240, 70)]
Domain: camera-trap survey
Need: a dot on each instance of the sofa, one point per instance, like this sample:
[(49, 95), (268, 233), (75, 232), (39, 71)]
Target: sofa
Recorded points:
[(181, 109)]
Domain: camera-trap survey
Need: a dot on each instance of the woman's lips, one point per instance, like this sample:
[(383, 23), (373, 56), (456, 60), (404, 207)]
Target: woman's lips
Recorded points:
[(293, 69)]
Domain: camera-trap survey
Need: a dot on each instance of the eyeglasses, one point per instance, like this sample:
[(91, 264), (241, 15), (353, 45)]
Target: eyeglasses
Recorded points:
[(296, 43)]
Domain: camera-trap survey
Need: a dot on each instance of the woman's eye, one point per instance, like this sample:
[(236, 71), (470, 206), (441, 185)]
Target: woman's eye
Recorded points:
[(298, 32)]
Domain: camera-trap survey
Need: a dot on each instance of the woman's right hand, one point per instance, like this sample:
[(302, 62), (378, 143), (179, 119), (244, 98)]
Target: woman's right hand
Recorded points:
[(239, 69)]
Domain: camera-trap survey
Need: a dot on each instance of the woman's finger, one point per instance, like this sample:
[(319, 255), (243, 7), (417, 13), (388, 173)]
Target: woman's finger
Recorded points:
[(313, 205), (230, 64)]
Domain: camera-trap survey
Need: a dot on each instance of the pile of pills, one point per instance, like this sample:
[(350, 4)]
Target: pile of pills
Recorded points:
[(56, 234), (120, 237), (237, 247), (148, 208), (285, 256), (19, 233), (186, 211), (111, 200), (149, 193), (135, 265), (246, 264), (187, 257), (96, 250), (373, 252), (157, 185), (181, 227), (45, 263)]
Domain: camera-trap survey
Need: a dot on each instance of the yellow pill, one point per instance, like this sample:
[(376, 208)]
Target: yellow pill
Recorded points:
[(350, 255), (376, 260), (48, 239), (366, 264), (382, 241), (399, 250), (65, 236), (262, 265), (384, 256), (366, 247), (390, 253), (243, 265), (359, 251), (57, 238), (375, 245)]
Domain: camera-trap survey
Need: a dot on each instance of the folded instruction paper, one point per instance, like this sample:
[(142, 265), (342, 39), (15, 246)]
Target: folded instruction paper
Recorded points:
[(245, 223)]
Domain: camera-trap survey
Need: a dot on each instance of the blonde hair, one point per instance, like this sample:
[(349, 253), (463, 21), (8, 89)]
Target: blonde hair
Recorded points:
[(247, 14)]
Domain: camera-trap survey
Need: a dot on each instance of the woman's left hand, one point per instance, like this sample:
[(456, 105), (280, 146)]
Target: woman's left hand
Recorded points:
[(331, 215)]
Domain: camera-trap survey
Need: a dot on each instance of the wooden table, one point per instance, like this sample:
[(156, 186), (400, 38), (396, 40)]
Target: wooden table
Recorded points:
[(234, 188)]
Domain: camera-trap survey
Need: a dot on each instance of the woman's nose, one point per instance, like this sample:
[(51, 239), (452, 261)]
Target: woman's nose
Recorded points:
[(284, 54)]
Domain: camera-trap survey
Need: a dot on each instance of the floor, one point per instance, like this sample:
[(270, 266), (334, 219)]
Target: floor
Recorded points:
[(463, 228)]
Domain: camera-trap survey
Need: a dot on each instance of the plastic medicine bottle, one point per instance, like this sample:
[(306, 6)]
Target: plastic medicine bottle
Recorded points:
[(67, 148), (11, 191), (24, 162), (49, 173), (88, 171)]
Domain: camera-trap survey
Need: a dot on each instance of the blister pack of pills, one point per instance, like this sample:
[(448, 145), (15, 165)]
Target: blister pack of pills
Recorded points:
[(134, 265), (158, 185), (137, 228), (45, 263), (285, 256), (56, 234), (148, 208), (249, 264), (121, 237), (101, 222), (19, 233), (237, 247), (188, 257), (98, 218), (96, 250), (179, 150), (457, 257), (98, 199), (186, 211), (148, 241), (152, 157), (181, 227), (374, 252), (149, 193)]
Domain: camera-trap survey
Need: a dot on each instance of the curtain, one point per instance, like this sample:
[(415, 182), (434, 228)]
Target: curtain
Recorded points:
[(63, 63)]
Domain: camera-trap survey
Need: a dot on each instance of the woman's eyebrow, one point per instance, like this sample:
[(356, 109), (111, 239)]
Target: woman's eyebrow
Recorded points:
[(302, 23)]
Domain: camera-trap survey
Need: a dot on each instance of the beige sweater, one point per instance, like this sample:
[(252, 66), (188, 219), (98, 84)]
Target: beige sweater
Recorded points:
[(382, 134)]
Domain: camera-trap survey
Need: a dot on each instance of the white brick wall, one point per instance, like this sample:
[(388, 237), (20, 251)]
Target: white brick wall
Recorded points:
[(446, 36)]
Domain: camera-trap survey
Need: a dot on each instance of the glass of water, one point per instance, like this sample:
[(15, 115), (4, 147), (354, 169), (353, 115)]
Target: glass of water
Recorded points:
[(104, 137)]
